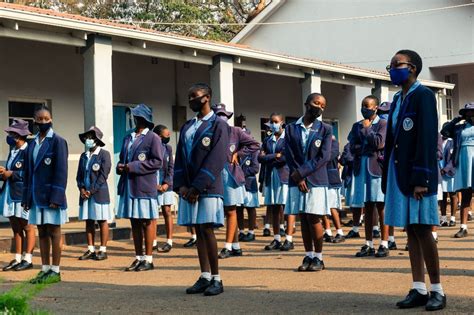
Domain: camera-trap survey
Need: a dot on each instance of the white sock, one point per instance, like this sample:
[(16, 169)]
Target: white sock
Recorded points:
[(236, 246), (464, 226), (170, 242), (391, 238), (444, 218), (91, 248), (420, 287), (206, 275), (55, 268), (384, 244), (103, 249), (216, 277), (310, 254), (18, 257), (469, 212), (251, 232), (453, 218), (436, 287), (228, 246), (267, 226), (319, 256), (277, 237), (282, 226), (28, 258), (435, 235), (148, 258), (155, 242), (289, 238), (370, 244), (194, 236), (340, 232), (361, 218), (376, 228), (139, 258), (355, 229), (45, 268), (328, 232)]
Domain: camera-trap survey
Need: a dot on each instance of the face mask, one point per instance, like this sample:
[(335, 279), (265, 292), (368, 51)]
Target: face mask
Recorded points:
[(43, 127), (165, 140), (367, 113), (399, 76), (275, 127), (314, 111), (90, 143), (11, 141), (196, 104)]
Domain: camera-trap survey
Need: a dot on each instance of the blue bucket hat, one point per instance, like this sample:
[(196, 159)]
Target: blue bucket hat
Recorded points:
[(385, 106), (144, 112), (220, 109), (468, 106)]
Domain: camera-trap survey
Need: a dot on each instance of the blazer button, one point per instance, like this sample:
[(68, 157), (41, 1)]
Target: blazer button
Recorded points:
[(396, 146), (396, 161)]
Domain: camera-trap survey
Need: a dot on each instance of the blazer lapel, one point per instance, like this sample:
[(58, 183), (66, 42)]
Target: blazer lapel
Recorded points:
[(44, 148), (137, 144), (205, 126), (314, 131)]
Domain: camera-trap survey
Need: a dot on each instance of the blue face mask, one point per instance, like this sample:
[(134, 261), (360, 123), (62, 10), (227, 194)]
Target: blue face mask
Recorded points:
[(11, 141), (399, 75), (274, 127), (89, 143)]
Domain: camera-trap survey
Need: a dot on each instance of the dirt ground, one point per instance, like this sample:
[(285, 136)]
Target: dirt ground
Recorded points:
[(258, 282)]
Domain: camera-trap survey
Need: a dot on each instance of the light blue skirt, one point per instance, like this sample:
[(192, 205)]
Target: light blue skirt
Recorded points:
[(205, 210), (166, 199), (90, 210), (464, 177), (137, 208), (401, 210), (448, 184), (40, 216), (277, 192), (314, 202), (9, 207), (234, 195), (365, 187), (251, 200), (334, 198)]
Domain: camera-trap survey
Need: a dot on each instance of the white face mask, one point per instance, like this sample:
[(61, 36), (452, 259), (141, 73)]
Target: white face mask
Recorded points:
[(89, 143)]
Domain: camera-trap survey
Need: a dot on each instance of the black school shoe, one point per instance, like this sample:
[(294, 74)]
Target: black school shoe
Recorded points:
[(462, 233), (165, 248), (133, 266), (215, 288), (274, 245), (199, 287), (87, 255), (382, 252), (101, 256), (249, 238), (190, 243), (392, 245), (375, 234), (306, 263), (452, 223), (23, 265), (413, 299), (469, 217), (327, 238), (236, 252), (316, 265), (353, 234), (266, 232), (287, 246), (225, 253), (339, 239), (444, 224), (12, 265), (365, 251), (145, 266), (241, 236), (436, 302)]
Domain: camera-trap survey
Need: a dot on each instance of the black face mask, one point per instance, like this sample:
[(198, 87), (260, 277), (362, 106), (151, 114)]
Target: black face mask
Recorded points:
[(196, 104), (314, 111), (43, 127), (165, 140), (367, 113)]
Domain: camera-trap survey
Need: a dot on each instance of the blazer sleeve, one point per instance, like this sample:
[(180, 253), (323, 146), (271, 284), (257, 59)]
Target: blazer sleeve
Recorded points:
[(334, 150), (426, 140), (104, 172), (214, 162), (26, 178), (17, 176), (179, 179), (169, 172), (121, 156), (449, 130), (254, 165), (247, 144), (375, 138), (154, 161), (80, 173), (289, 153), (311, 166), (59, 181), (355, 147)]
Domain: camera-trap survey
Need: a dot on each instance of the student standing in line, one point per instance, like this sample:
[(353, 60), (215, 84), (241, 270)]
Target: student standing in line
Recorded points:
[(448, 171)]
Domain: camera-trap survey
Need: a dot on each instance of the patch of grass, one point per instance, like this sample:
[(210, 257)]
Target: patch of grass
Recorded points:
[(16, 300)]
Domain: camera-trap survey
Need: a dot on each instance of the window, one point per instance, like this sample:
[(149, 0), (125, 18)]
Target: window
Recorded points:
[(449, 98), (24, 110)]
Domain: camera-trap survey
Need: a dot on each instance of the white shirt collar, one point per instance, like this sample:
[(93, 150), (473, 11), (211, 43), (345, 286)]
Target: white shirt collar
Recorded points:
[(144, 132), (300, 122), (282, 136), (96, 152), (48, 135), (23, 147), (207, 117)]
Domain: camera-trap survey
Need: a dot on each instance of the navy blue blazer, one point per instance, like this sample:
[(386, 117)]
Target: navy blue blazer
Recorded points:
[(334, 177), (312, 165), (147, 159), (368, 142), (168, 167), (45, 181), (414, 142), (208, 156), (453, 130), (269, 160), (261, 174), (99, 170), (250, 167), (346, 161), (15, 181), (448, 168)]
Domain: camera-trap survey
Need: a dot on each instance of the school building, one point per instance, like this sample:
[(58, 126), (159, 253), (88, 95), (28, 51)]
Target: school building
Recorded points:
[(90, 71)]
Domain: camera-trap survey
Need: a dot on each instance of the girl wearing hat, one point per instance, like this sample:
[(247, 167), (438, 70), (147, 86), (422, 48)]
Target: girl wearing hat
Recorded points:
[(11, 194), (44, 192), (240, 145), (140, 158), (461, 130), (200, 158), (166, 196), (94, 202)]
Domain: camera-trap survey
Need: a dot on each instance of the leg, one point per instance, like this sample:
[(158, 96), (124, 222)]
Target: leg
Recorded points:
[(207, 231), (336, 220), (356, 214), (306, 234), (316, 229), (17, 234), (454, 204), (166, 210), (381, 212), (368, 222), (430, 251), (202, 250), (326, 223), (444, 204), (137, 234), (104, 232), (466, 197), (150, 235), (252, 218), (231, 214), (55, 234), (416, 255), (90, 232), (290, 228), (45, 244), (240, 219), (30, 236), (276, 210)]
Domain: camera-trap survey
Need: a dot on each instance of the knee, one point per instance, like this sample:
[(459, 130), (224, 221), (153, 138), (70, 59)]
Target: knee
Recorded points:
[(42, 232)]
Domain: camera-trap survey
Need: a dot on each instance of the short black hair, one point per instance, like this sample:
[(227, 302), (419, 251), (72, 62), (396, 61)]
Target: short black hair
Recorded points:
[(42, 107), (372, 97), (276, 114), (159, 129), (414, 59), (312, 96), (202, 87)]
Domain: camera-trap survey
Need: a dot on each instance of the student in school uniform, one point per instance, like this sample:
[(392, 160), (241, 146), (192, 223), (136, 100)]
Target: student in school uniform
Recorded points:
[(140, 158), (166, 195), (44, 192), (94, 201), (308, 150), (240, 144), (275, 190), (261, 184), (367, 141), (461, 130), (410, 176), (448, 171), (200, 158), (11, 195), (334, 196)]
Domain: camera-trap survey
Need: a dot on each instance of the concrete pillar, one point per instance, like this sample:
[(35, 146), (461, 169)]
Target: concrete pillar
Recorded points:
[(222, 83), (441, 107), (360, 93), (310, 84), (381, 90)]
